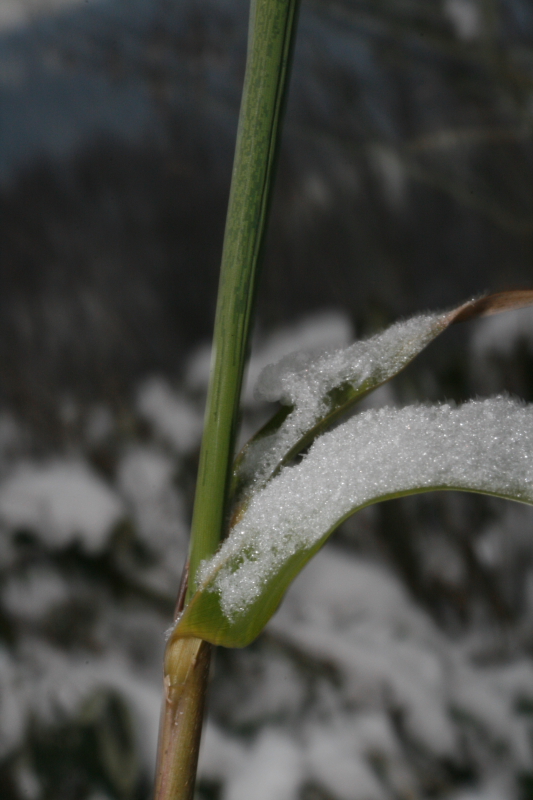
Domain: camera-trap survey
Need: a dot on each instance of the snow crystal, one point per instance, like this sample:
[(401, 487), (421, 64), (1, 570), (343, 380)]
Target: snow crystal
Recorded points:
[(61, 502), (326, 331), (174, 419), (482, 446), (303, 381)]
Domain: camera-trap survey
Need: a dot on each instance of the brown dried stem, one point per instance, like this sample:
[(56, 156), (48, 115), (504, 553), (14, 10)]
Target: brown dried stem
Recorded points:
[(186, 672)]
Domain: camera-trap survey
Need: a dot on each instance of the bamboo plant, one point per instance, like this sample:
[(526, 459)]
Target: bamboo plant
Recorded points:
[(272, 30), (308, 469)]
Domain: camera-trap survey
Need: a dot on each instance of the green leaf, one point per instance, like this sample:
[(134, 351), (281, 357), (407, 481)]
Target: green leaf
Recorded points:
[(318, 392), (484, 446)]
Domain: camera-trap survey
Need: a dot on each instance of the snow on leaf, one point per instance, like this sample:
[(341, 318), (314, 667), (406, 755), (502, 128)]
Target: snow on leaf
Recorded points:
[(317, 391), (482, 446)]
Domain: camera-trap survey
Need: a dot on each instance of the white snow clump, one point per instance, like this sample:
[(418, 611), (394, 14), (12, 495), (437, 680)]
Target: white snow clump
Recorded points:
[(60, 502), (327, 331), (173, 418), (145, 477)]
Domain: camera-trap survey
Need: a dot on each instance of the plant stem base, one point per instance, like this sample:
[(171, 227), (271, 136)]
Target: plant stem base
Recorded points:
[(186, 673)]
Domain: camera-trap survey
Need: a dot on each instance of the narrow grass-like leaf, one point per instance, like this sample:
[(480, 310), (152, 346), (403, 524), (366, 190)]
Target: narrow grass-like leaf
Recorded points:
[(483, 446), (317, 392)]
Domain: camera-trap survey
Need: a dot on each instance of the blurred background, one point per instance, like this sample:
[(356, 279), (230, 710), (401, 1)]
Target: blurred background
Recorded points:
[(399, 666)]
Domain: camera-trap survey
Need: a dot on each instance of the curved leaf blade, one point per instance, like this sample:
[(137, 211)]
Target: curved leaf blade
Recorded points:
[(317, 392), (482, 446)]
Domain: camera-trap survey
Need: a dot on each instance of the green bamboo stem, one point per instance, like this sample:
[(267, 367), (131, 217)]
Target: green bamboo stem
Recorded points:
[(270, 44)]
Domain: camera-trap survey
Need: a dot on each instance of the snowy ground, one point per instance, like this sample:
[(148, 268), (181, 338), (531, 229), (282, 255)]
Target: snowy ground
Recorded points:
[(383, 676)]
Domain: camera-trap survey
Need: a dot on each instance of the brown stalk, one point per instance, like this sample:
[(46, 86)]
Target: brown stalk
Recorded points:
[(491, 304), (185, 682)]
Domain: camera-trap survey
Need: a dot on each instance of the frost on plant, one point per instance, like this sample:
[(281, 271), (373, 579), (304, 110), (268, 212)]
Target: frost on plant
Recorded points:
[(318, 391), (315, 388), (484, 446), (288, 510)]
